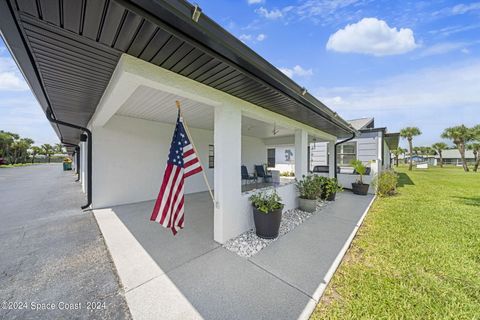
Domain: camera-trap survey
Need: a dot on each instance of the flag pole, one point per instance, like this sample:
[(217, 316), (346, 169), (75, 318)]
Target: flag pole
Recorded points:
[(195, 150)]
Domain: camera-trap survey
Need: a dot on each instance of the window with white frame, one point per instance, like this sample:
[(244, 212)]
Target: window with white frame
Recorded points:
[(346, 152)]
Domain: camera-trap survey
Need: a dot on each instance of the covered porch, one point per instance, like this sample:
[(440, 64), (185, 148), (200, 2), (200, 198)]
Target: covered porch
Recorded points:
[(133, 126), (190, 276)]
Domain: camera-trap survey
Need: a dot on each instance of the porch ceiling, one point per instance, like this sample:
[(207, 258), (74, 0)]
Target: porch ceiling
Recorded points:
[(151, 104), (68, 54), (155, 105)]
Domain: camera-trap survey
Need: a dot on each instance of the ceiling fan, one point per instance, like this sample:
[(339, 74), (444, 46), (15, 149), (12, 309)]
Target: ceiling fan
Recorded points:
[(275, 130)]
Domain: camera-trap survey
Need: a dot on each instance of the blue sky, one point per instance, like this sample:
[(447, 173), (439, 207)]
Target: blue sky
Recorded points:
[(405, 63)]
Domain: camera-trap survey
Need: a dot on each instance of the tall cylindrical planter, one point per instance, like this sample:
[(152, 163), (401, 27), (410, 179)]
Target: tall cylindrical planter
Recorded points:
[(307, 205), (267, 224)]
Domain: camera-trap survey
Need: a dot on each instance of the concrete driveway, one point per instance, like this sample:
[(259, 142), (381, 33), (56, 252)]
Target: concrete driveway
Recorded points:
[(52, 253)]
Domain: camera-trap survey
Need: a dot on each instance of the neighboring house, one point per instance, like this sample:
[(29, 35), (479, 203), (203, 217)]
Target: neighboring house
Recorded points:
[(108, 73), (372, 146), (452, 156)]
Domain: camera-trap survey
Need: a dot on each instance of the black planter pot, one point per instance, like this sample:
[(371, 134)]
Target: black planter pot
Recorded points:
[(360, 188), (267, 224), (331, 196)]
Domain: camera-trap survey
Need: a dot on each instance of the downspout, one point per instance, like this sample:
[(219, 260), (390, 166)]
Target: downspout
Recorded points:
[(77, 162), (335, 151), (49, 114)]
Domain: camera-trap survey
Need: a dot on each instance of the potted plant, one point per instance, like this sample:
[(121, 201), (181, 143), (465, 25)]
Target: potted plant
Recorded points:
[(330, 189), (309, 189), (359, 187), (267, 214)]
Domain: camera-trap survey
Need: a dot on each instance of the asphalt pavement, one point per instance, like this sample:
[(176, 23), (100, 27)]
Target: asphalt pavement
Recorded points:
[(53, 260)]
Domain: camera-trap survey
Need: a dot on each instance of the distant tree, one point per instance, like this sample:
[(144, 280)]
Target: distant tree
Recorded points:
[(460, 135), (59, 148), (48, 151), (396, 153), (476, 136), (35, 151), (404, 152), (475, 147), (439, 147), (19, 150), (408, 133)]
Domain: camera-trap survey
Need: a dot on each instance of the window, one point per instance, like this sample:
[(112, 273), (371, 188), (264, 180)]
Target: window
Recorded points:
[(346, 152), (211, 156), (271, 158)]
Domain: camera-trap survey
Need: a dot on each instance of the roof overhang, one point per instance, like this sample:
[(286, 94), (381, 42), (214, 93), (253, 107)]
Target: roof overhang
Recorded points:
[(392, 140), (68, 54)]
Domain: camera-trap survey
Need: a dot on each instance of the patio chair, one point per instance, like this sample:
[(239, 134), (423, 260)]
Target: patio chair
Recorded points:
[(260, 171), (246, 176)]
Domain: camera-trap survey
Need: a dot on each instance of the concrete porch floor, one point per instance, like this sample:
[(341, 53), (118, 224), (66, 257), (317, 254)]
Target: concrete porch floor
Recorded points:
[(190, 276)]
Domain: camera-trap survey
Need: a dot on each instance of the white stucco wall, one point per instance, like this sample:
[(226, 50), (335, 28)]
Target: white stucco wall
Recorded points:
[(254, 152), (130, 156)]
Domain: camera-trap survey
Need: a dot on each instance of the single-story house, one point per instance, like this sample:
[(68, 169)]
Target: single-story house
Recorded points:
[(108, 74), (371, 146), (452, 156)]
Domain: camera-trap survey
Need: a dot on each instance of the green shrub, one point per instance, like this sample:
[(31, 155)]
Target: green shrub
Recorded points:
[(310, 187), (330, 186), (360, 168), (386, 183), (266, 202)]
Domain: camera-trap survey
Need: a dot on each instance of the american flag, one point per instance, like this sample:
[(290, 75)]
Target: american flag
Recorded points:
[(182, 163)]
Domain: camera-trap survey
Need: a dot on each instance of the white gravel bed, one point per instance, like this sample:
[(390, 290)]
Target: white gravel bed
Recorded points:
[(249, 244)]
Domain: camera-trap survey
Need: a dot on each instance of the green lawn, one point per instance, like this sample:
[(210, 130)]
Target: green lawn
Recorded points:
[(417, 255)]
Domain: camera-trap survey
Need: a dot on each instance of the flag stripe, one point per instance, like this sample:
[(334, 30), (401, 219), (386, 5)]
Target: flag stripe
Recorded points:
[(182, 163), (158, 203)]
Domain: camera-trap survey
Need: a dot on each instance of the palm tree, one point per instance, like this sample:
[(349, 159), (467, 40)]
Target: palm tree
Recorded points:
[(475, 147), (48, 150), (476, 136), (408, 133), (439, 147), (460, 135), (396, 153), (35, 150), (58, 148)]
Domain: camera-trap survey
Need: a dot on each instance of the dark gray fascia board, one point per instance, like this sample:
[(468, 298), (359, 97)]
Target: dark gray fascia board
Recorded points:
[(175, 16)]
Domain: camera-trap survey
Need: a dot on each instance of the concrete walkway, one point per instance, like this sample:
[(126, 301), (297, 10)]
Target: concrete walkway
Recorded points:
[(52, 253), (192, 277)]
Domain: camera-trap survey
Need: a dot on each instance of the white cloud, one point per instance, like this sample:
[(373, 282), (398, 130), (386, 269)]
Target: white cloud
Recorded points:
[(464, 8), (442, 48), (372, 36), (252, 38), (297, 71), (272, 14), (261, 37), (448, 87), (446, 47), (255, 1), (245, 37), (431, 99), (9, 81), (10, 78)]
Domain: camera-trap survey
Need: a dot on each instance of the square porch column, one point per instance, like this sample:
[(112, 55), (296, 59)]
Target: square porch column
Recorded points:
[(228, 184), (332, 166), (301, 150)]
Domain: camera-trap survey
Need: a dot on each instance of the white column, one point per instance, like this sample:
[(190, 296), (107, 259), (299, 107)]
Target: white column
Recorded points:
[(331, 159), (227, 185), (301, 149), (83, 166)]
